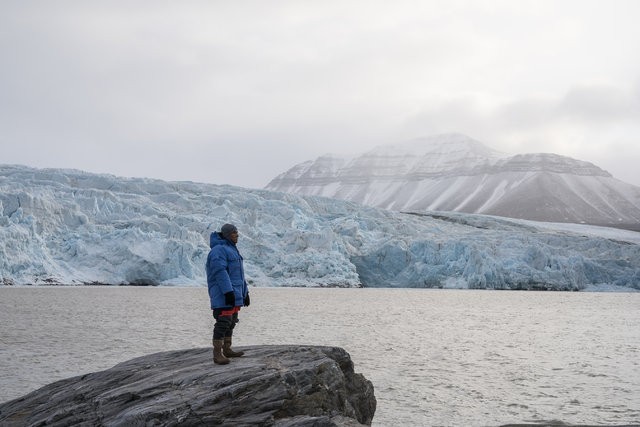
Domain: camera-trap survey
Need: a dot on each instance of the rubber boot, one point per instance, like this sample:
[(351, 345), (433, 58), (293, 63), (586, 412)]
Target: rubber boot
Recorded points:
[(226, 349), (218, 356)]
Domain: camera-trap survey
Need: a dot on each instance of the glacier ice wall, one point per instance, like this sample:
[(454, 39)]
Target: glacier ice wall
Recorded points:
[(72, 227)]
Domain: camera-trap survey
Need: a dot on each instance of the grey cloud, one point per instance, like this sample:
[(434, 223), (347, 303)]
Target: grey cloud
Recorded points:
[(586, 106), (600, 103), (285, 81)]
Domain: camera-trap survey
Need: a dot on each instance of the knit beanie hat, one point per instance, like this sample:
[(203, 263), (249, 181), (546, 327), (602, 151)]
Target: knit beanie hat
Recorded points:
[(227, 229)]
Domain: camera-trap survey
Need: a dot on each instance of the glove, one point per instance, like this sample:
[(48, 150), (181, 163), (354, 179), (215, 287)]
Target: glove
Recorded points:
[(247, 301), (230, 299)]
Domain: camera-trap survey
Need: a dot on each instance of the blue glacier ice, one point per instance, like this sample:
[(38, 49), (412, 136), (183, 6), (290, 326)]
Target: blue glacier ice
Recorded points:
[(71, 227)]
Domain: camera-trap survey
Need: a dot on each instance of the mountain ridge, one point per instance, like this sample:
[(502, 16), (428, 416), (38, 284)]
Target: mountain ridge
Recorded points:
[(453, 172)]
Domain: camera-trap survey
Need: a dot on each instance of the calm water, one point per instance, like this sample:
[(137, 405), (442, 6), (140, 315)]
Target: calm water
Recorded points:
[(435, 357)]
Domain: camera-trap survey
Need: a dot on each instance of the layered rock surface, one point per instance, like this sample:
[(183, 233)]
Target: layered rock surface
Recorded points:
[(270, 385)]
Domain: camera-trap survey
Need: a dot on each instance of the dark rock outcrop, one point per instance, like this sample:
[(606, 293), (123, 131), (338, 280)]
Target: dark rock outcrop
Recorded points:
[(270, 385)]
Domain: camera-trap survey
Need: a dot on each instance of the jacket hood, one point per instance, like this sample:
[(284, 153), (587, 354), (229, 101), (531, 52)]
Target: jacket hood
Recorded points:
[(217, 239)]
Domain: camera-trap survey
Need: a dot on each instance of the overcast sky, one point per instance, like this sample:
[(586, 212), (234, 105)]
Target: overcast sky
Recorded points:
[(236, 92)]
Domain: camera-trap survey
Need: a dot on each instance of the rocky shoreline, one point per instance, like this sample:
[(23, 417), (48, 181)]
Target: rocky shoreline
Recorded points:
[(269, 386)]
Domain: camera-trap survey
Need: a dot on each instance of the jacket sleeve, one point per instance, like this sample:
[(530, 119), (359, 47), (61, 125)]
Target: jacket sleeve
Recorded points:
[(217, 266)]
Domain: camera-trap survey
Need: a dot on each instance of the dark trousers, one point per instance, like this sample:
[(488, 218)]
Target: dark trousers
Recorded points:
[(226, 319)]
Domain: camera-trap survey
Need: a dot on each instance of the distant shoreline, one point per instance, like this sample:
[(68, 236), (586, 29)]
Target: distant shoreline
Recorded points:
[(588, 289)]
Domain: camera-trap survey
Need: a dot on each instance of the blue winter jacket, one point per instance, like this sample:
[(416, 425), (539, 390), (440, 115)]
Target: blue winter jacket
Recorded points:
[(225, 272)]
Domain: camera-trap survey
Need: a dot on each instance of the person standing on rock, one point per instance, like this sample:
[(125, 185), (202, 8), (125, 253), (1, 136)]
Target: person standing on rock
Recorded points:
[(228, 290)]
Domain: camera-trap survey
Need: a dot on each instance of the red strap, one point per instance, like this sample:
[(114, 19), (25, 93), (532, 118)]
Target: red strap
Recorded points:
[(230, 312)]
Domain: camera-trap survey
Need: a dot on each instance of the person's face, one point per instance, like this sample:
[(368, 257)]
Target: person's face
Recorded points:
[(233, 236)]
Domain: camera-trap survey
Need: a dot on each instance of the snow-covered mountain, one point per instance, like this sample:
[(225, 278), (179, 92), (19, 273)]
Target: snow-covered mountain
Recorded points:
[(72, 227), (453, 172)]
